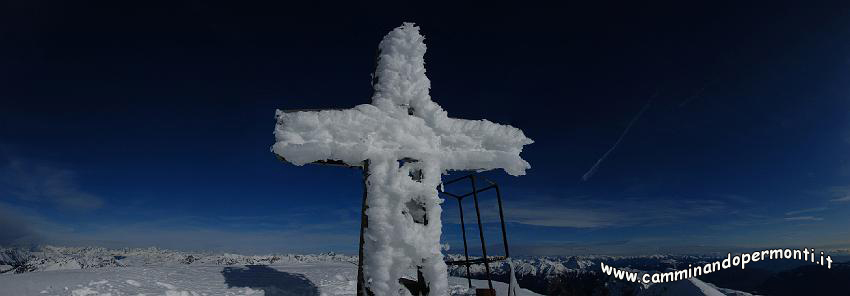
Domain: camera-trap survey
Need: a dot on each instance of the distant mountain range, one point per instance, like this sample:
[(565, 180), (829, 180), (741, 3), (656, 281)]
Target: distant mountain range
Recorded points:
[(45, 258), (582, 275)]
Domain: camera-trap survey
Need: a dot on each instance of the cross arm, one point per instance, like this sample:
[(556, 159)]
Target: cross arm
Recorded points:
[(351, 136), (482, 145)]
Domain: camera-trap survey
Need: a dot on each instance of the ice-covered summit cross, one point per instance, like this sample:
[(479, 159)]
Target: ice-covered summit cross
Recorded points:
[(401, 123)]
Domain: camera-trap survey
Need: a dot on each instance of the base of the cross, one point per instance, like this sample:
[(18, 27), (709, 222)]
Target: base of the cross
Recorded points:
[(417, 287)]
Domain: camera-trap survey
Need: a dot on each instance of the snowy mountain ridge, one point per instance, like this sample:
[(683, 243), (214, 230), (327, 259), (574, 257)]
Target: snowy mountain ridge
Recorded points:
[(44, 258), (582, 275), (548, 266)]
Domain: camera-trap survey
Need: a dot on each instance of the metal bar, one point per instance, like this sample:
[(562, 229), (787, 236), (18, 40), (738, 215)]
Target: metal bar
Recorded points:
[(468, 194), (502, 219), (364, 223), (478, 191), (465, 248), (464, 177), (455, 180), (481, 233), (504, 234), (452, 195)]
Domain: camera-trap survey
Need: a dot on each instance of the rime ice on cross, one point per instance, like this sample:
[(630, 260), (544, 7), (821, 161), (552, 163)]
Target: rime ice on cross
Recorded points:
[(401, 123)]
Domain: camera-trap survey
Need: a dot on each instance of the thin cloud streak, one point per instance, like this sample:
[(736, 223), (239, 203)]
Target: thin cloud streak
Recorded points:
[(595, 166), (182, 233), (839, 193), (20, 225), (804, 218), (45, 184), (811, 210), (841, 199)]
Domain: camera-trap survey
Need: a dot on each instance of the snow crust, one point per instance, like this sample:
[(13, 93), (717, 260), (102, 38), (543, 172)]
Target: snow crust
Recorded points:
[(689, 287), (153, 271), (401, 123)]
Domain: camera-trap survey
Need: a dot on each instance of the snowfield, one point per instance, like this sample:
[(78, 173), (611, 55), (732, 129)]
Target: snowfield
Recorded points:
[(152, 271), (331, 278)]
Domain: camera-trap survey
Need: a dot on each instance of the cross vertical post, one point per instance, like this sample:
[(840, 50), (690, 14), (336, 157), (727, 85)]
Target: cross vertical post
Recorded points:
[(364, 223)]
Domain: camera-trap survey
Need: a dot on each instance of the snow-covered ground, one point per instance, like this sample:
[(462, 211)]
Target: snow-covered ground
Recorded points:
[(89, 271), (329, 278)]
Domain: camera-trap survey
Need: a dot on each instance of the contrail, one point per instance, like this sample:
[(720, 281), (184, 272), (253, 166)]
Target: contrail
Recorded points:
[(696, 95), (593, 169)]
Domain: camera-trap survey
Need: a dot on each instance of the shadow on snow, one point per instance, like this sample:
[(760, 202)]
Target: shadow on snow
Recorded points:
[(273, 282)]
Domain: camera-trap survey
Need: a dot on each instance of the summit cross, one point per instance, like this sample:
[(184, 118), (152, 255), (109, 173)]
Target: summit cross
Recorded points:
[(404, 142)]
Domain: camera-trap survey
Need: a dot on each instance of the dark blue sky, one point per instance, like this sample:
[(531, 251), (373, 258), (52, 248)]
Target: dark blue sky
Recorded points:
[(125, 125)]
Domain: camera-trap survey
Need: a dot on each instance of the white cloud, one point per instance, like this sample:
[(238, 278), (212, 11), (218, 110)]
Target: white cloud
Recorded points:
[(27, 188), (14, 227), (839, 193), (841, 199), (45, 184), (803, 218), (811, 210), (21, 225), (205, 233), (243, 234)]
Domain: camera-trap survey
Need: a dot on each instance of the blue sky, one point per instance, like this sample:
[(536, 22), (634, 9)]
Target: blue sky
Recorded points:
[(149, 133)]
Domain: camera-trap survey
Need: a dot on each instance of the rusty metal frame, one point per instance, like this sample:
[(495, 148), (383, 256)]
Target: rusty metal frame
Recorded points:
[(484, 259)]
